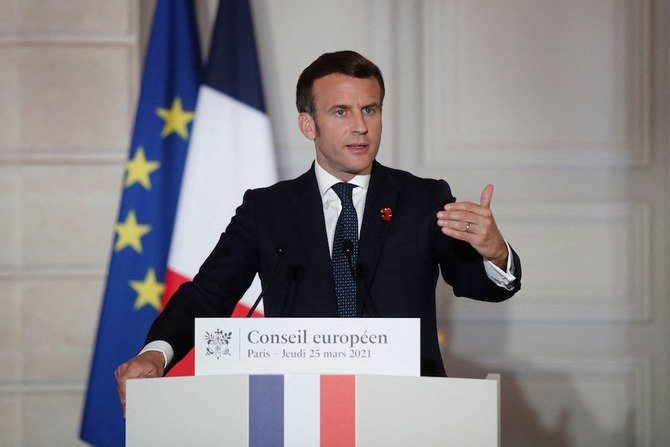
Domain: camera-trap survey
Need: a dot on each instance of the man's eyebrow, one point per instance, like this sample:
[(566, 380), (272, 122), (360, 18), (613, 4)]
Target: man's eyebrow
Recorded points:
[(375, 104), (339, 106)]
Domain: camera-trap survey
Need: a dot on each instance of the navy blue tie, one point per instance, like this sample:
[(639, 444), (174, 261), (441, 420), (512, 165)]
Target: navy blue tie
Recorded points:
[(346, 228)]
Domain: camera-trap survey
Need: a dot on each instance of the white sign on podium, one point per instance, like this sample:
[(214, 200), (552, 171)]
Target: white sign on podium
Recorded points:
[(382, 346)]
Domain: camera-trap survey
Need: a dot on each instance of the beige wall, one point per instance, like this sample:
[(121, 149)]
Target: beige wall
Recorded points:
[(68, 72), (563, 105)]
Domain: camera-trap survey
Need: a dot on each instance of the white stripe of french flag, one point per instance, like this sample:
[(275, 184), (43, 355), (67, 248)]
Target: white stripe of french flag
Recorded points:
[(302, 396)]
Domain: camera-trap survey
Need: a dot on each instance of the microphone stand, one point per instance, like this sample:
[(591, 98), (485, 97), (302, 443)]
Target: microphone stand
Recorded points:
[(279, 253), (348, 250)]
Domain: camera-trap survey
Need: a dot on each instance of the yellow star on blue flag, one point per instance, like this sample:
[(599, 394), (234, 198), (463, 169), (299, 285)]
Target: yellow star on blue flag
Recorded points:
[(176, 119), (130, 232), (138, 169), (149, 291)]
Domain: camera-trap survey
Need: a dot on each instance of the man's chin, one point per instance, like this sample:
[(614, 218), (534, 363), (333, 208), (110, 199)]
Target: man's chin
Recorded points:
[(360, 169)]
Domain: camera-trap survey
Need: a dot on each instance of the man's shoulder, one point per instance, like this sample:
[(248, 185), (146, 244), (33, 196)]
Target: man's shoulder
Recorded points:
[(407, 180), (403, 175), (293, 186)]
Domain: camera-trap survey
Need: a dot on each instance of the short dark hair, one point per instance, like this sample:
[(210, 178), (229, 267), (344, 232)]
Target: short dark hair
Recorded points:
[(346, 62)]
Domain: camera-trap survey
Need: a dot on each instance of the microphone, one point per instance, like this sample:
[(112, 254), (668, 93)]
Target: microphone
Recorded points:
[(348, 250), (280, 251)]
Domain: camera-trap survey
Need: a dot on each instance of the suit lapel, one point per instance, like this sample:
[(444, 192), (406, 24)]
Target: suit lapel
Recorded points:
[(307, 208), (382, 193)]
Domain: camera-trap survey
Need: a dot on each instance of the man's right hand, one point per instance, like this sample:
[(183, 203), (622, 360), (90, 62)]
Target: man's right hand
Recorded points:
[(146, 365)]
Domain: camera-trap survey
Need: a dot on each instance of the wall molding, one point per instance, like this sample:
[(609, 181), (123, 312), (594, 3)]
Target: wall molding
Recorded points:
[(41, 387), (625, 149), (27, 156), (82, 40), (629, 221), (42, 273), (634, 372)]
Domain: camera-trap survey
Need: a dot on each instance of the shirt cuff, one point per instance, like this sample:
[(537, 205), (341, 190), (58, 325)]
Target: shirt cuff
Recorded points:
[(161, 346), (504, 279)]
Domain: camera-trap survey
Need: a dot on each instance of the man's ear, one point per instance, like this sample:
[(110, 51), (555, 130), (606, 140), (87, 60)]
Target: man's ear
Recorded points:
[(307, 125)]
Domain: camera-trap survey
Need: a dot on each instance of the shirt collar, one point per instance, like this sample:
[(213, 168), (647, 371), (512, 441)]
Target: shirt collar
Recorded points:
[(326, 180)]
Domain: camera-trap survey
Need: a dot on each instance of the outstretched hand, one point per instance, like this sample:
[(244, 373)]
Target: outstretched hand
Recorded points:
[(474, 224), (146, 365)]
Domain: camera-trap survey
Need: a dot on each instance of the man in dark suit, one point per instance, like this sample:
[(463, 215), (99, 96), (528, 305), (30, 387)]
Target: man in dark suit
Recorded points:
[(298, 234)]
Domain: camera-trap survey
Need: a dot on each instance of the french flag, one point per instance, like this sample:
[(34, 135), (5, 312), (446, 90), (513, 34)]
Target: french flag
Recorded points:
[(230, 151)]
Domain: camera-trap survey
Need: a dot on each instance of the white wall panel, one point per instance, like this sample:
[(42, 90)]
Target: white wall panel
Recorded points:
[(69, 72), (10, 204), (64, 337), (68, 97), (40, 410), (26, 17), (67, 214), (10, 98), (581, 261), (593, 404), (572, 401), (11, 422), (11, 354), (536, 83)]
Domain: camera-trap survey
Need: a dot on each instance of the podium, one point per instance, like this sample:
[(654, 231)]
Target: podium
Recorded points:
[(313, 410)]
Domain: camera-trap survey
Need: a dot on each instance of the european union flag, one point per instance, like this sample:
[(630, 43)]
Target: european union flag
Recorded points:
[(153, 175)]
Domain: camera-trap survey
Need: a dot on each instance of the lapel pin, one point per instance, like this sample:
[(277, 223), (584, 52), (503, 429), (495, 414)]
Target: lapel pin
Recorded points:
[(386, 214)]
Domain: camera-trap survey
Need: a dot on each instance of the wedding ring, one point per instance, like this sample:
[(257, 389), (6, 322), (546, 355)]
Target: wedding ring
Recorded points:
[(467, 227)]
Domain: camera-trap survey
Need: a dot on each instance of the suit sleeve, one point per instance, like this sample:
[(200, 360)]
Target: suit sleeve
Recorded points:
[(221, 281), (461, 266)]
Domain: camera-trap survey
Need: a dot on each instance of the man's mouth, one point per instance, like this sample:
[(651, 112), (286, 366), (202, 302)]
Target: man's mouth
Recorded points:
[(357, 146)]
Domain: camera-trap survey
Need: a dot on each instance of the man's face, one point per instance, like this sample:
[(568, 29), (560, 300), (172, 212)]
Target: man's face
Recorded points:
[(347, 127)]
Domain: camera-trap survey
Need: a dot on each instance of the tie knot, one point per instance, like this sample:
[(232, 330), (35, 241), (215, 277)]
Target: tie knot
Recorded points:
[(344, 191)]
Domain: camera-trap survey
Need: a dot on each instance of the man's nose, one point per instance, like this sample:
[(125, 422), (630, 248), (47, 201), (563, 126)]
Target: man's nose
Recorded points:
[(359, 126)]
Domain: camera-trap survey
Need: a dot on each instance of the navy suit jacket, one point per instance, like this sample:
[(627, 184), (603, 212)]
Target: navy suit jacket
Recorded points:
[(399, 260)]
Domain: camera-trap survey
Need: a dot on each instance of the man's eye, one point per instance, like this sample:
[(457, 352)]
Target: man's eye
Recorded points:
[(369, 110), (340, 112)]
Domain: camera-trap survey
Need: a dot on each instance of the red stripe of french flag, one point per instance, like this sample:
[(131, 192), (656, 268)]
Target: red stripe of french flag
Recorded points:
[(338, 411)]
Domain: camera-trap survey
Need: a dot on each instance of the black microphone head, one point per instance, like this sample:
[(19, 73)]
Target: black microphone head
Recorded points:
[(281, 249), (347, 248)]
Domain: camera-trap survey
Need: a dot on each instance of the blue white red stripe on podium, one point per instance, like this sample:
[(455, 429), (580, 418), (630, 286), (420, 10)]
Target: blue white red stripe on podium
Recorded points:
[(304, 410)]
